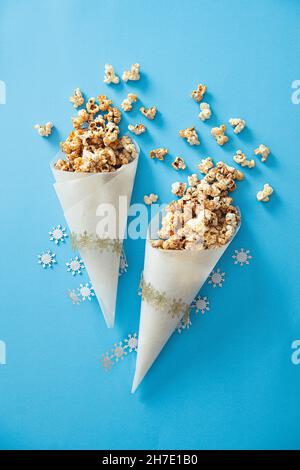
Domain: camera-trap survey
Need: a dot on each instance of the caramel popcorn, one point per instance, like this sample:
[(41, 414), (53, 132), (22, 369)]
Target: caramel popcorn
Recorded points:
[(203, 217), (263, 151), (150, 113), (132, 74), (77, 99), (205, 111), (95, 145), (198, 94), (205, 165), (264, 195), (126, 104), (241, 159), (238, 124), (110, 76), (190, 134), (159, 153), (179, 164), (44, 130), (138, 129), (150, 199), (219, 134)]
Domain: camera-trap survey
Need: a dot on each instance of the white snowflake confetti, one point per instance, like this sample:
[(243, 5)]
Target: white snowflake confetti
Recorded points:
[(47, 259), (86, 291), (106, 362), (200, 304), (73, 296), (131, 342), (184, 324), (58, 234), (216, 278), (123, 263), (241, 257), (118, 351), (75, 266)]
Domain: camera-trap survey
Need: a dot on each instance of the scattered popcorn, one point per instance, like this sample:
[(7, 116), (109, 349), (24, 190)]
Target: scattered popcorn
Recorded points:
[(241, 159), (219, 134), (205, 165), (263, 196), (179, 164), (159, 153), (132, 74), (203, 217), (137, 129), (150, 113), (178, 189), (150, 199), (263, 151), (198, 94), (205, 111), (190, 134), (110, 76), (126, 104), (238, 124), (44, 129), (77, 99), (95, 145)]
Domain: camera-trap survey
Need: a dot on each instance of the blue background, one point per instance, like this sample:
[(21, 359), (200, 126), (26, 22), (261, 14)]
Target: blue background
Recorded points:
[(229, 381)]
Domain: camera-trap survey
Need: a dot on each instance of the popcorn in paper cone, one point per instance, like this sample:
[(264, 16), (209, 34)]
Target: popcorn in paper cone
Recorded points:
[(196, 230)]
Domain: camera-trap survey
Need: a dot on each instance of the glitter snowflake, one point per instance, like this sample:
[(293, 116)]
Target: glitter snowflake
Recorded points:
[(73, 296), (106, 362), (200, 304), (131, 342), (75, 266), (216, 278), (118, 351), (86, 291), (58, 234), (47, 259), (241, 257), (184, 323), (123, 263)]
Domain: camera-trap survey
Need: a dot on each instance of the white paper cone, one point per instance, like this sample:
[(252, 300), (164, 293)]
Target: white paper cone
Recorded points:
[(179, 274), (80, 195)]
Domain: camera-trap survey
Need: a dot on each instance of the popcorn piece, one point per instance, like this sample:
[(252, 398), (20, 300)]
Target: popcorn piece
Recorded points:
[(77, 98), (92, 107), (179, 164), (127, 103), (113, 115), (110, 76), (263, 196), (150, 199), (238, 124), (193, 179), (241, 159), (263, 151), (44, 130), (159, 153), (132, 74), (137, 129), (150, 113), (205, 111), (219, 134), (104, 103), (190, 134), (81, 118), (198, 94), (205, 165), (178, 189)]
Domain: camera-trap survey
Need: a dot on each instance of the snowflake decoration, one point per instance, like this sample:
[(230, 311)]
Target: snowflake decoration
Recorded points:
[(184, 323), (86, 291), (118, 351), (216, 278), (73, 296), (241, 257), (123, 263), (200, 304), (106, 362), (58, 234), (47, 259), (131, 342), (75, 266)]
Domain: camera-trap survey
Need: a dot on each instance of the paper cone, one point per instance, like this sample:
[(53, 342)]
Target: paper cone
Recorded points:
[(81, 195), (179, 274)]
